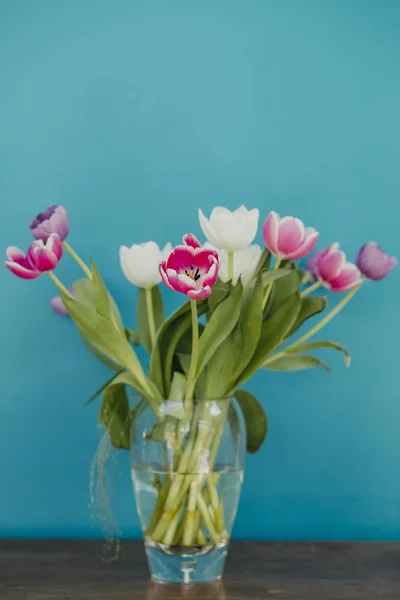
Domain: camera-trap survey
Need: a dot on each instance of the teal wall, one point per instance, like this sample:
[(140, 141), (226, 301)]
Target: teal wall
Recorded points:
[(133, 114)]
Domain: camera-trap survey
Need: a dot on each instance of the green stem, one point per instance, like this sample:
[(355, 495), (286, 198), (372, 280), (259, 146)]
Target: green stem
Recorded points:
[(190, 521), (150, 316), (77, 259), (317, 327), (269, 286), (207, 518), (195, 351), (60, 285), (169, 536), (230, 266), (311, 288)]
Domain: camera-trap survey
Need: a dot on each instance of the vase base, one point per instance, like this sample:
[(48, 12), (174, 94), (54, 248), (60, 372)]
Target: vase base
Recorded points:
[(176, 564)]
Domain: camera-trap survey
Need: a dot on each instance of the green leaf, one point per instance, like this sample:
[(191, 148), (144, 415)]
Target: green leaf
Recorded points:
[(167, 339), (270, 276), (310, 306), (83, 289), (178, 387), (220, 325), (273, 332), (143, 318), (133, 336), (201, 382), (184, 361), (115, 415), (322, 344), (283, 289), (235, 352), (185, 343), (255, 420), (220, 291), (111, 341), (296, 362), (100, 355), (263, 263), (100, 293), (101, 389)]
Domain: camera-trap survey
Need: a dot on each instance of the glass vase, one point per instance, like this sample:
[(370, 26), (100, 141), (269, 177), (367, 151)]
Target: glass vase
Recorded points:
[(187, 473)]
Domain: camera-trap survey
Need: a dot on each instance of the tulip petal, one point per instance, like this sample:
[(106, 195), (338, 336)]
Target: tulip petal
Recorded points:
[(163, 272), (44, 259), (180, 282), (290, 235), (348, 277), (270, 232), (14, 254), (191, 240), (21, 271), (59, 223), (199, 294), (305, 248), (374, 262), (211, 277), (53, 220), (54, 244), (203, 258), (330, 263), (208, 230), (166, 251), (242, 211), (181, 258), (230, 234), (58, 305)]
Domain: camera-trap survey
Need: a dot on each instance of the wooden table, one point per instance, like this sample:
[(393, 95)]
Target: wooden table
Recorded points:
[(73, 570)]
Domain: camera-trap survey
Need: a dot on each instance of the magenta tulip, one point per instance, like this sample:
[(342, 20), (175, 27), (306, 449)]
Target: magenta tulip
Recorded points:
[(40, 257), (373, 262), (287, 238), (334, 272), (53, 220), (191, 269)]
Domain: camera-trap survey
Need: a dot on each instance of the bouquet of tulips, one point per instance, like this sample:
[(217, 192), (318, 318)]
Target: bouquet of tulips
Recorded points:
[(244, 305)]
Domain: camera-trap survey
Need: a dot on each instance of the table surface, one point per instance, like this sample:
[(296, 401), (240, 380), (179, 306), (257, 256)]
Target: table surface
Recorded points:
[(73, 570)]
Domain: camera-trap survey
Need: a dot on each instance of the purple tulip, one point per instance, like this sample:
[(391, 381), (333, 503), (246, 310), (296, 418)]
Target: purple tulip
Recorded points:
[(53, 220), (58, 305), (373, 262), (312, 265)]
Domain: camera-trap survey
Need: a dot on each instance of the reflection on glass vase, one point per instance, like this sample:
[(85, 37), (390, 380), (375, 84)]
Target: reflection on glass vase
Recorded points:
[(187, 472)]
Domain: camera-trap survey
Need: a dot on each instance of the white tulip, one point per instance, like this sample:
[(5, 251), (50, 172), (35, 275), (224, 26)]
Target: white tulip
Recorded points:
[(230, 230), (139, 263), (244, 263)]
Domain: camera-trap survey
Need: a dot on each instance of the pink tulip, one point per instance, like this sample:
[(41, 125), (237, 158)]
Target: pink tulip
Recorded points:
[(287, 238), (191, 269), (334, 272), (40, 257)]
